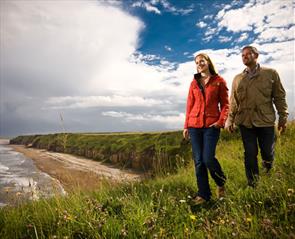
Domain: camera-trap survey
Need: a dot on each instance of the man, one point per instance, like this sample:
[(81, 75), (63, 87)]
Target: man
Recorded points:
[(254, 91)]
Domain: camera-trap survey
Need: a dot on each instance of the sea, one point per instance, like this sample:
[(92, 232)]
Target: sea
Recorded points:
[(21, 180)]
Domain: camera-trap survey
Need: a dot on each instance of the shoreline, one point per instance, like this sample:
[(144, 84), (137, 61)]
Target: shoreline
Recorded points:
[(76, 173)]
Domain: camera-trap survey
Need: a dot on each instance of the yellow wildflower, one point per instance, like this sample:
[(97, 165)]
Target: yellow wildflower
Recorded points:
[(290, 191)]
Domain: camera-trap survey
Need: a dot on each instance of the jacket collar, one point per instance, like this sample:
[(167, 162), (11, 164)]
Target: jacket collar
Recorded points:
[(197, 77), (254, 73)]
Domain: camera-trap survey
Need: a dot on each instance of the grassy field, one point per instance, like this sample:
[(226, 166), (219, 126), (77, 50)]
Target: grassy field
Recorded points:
[(161, 207)]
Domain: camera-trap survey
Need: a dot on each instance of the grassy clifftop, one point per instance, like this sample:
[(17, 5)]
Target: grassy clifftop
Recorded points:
[(161, 207), (163, 151)]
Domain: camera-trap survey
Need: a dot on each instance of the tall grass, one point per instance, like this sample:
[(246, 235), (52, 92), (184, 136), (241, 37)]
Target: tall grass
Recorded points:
[(162, 208)]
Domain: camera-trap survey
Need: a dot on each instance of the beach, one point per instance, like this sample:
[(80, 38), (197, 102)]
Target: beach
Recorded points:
[(21, 180), (76, 173)]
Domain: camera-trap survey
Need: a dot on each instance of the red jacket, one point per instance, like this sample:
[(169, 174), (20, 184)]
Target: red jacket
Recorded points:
[(202, 110)]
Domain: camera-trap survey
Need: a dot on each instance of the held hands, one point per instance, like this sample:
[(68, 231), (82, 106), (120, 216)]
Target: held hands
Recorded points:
[(230, 127)]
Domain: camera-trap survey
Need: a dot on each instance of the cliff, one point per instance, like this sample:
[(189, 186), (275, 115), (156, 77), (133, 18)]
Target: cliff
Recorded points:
[(159, 152)]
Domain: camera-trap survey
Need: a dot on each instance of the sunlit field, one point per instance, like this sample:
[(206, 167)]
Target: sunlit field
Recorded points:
[(161, 206)]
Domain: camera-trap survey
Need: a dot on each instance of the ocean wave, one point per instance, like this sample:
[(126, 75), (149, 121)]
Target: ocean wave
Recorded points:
[(17, 180), (20, 175), (3, 204), (3, 167), (4, 150)]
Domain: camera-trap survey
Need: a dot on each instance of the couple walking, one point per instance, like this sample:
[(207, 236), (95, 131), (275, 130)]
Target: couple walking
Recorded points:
[(254, 91)]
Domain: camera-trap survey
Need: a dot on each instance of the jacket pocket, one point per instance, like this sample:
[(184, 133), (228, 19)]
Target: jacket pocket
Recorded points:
[(193, 121), (195, 112), (264, 87), (241, 93), (212, 114), (266, 114)]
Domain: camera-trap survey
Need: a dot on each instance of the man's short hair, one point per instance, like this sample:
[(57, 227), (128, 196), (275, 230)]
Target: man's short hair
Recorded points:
[(252, 48)]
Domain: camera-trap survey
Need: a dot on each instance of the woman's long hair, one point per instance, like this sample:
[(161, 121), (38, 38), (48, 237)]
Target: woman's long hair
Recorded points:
[(211, 67)]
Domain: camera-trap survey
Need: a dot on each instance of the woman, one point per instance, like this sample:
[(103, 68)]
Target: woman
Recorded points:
[(206, 112)]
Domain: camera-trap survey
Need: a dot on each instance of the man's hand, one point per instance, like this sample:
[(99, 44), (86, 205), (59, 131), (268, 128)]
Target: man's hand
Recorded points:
[(185, 134), (281, 127)]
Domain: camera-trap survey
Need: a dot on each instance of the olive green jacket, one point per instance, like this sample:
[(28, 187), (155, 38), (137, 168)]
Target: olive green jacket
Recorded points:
[(253, 96)]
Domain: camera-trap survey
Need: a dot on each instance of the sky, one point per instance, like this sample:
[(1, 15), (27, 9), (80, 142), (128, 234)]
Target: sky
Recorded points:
[(113, 66)]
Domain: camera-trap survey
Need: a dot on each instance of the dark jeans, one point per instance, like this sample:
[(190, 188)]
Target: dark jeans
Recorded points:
[(204, 141), (266, 140)]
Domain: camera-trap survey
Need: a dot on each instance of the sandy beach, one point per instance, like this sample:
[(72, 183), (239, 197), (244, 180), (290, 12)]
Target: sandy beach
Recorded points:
[(76, 172)]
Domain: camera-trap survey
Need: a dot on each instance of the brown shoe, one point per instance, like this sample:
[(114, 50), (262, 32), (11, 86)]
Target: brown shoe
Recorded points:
[(198, 200), (220, 192)]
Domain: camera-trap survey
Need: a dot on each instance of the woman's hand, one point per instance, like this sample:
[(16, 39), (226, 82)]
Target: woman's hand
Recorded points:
[(215, 125), (185, 134)]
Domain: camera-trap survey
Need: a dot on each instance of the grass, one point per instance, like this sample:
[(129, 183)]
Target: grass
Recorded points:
[(158, 152), (161, 207)]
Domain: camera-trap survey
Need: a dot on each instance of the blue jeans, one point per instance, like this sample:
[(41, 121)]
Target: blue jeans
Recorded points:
[(266, 140), (204, 141)]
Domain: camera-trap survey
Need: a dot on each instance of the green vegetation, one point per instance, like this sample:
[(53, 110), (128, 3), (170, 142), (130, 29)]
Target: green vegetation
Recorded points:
[(161, 207), (160, 152)]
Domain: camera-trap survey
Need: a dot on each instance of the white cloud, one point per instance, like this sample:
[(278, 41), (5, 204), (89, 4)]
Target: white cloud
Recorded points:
[(170, 8), (279, 13), (208, 17), (147, 6), (243, 37), (277, 34), (201, 24), (259, 16), (168, 48), (64, 52), (170, 121), (153, 6), (138, 57), (75, 102), (224, 38), (207, 38), (210, 31)]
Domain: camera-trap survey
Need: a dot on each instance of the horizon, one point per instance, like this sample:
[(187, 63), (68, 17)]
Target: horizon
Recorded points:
[(8, 137)]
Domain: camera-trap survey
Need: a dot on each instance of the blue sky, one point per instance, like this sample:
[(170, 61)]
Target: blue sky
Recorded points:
[(174, 34), (127, 65)]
